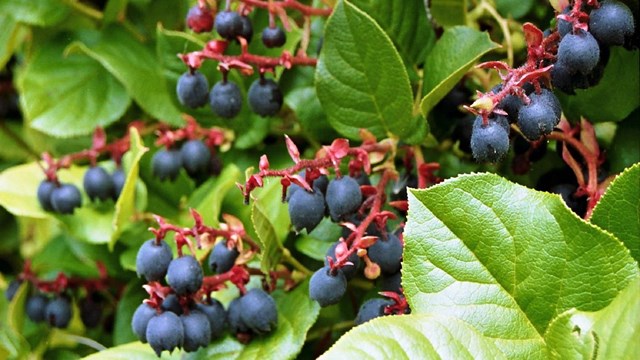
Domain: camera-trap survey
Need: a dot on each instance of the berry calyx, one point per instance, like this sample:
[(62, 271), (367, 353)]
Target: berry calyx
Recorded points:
[(193, 89)]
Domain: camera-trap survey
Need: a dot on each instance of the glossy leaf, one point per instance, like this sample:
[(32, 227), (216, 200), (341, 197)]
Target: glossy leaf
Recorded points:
[(18, 187), (452, 56), (514, 8), (296, 314), (35, 12), (449, 12), (68, 95), (619, 85), (136, 68), (618, 209), (11, 35), (610, 333), (207, 199), (270, 219), (360, 78), (132, 351), (506, 259)]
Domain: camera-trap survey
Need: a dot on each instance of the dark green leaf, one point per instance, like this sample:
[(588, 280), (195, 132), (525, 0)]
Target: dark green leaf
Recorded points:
[(514, 8), (452, 56), (618, 211), (360, 78), (506, 259), (68, 95), (624, 151), (449, 12), (619, 86)]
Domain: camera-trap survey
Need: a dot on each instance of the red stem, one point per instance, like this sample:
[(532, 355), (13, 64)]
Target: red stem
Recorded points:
[(293, 4)]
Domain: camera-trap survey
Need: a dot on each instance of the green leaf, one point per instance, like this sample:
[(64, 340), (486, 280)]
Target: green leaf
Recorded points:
[(452, 56), (10, 37), (406, 24), (125, 205), (207, 199), (619, 85), (610, 333), (296, 314), (132, 297), (506, 259), (270, 219), (136, 67), (618, 210), (131, 351), (35, 12), (414, 337), (360, 79), (514, 8), (69, 95), (18, 187), (449, 12)]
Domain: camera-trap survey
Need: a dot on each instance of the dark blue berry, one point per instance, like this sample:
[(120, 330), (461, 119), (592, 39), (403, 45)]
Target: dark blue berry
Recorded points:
[(225, 99), (171, 303), (140, 319), (348, 270), (185, 275), (118, 177), (234, 317), (567, 192), (611, 23), (247, 29), (579, 51), (343, 197), (387, 253), (326, 288), (259, 312), (511, 104), (165, 332), (222, 258), (565, 27), (306, 209), (91, 308), (391, 282), (490, 142), (12, 288), (195, 157), (45, 189), (152, 260), (273, 37), (216, 314), (537, 119), (166, 164), (228, 24), (98, 184), (372, 309), (58, 312), (197, 330), (66, 198), (35, 307), (265, 97), (193, 89)]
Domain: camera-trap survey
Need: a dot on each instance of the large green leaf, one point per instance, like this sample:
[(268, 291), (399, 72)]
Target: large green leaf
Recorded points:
[(18, 187), (296, 314), (506, 259), (35, 12), (136, 67), (11, 35), (406, 24), (68, 95), (270, 219), (207, 199), (619, 86), (132, 351), (125, 206), (452, 56), (360, 78), (449, 12), (514, 8), (611, 333), (414, 337), (131, 298), (618, 211)]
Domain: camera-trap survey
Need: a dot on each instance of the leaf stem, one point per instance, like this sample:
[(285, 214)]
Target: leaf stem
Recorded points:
[(85, 9), (289, 259)]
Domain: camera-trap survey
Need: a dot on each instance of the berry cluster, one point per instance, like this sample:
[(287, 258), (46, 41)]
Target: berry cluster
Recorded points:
[(184, 314)]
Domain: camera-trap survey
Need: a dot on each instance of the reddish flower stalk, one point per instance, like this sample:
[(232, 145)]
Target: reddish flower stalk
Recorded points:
[(293, 4), (63, 282)]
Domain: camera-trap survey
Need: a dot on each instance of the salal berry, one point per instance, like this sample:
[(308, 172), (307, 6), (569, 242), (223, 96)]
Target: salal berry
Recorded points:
[(152, 260), (195, 157), (348, 270), (140, 319), (490, 142), (171, 303), (265, 97), (538, 118), (391, 282), (98, 184), (165, 332), (185, 275), (306, 209), (234, 317), (166, 164), (247, 28), (371, 309), (225, 99), (228, 24), (91, 308), (579, 51), (66, 198), (611, 23), (45, 189), (216, 314), (197, 330), (387, 253), (222, 258), (343, 197), (327, 288), (193, 89), (58, 312), (118, 177), (35, 307), (200, 19), (259, 312), (273, 37)]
